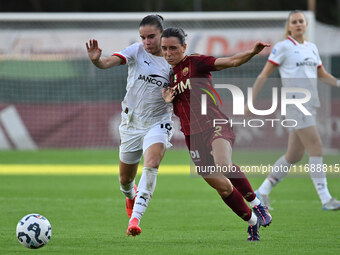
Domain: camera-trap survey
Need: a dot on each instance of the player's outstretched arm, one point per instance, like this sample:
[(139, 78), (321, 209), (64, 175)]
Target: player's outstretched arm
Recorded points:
[(94, 53), (240, 58), (168, 95), (327, 77)]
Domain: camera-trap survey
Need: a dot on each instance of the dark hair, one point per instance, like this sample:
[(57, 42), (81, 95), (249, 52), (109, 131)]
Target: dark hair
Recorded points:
[(153, 20), (175, 32)]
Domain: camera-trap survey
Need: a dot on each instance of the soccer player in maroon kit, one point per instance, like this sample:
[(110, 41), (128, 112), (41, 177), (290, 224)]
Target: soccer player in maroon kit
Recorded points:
[(210, 145)]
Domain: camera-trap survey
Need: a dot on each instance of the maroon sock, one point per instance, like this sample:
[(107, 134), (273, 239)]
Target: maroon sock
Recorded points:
[(236, 203), (241, 183)]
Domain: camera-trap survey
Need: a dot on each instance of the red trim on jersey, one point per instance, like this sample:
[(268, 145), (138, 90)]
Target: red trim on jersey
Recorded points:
[(218, 96), (121, 56), (292, 40), (319, 66), (273, 62)]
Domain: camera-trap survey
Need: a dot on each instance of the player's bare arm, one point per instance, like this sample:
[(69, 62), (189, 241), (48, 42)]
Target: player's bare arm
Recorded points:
[(260, 80), (240, 58), (262, 77), (94, 53), (168, 95), (327, 77)]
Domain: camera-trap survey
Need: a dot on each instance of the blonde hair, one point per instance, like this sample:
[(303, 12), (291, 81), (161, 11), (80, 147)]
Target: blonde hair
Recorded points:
[(287, 33)]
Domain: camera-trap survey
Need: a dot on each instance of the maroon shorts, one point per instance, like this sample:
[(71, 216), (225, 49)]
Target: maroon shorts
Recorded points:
[(200, 147)]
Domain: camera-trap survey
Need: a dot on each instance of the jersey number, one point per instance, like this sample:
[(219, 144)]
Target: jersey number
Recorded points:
[(218, 130), (194, 154), (167, 126)]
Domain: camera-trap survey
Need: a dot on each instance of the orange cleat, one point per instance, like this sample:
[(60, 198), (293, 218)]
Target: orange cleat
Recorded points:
[(133, 228), (129, 204)]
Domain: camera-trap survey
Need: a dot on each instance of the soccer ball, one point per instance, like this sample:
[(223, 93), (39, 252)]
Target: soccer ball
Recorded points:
[(34, 231)]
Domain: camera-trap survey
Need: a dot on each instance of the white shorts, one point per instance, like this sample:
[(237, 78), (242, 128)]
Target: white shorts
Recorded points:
[(303, 121), (138, 137)]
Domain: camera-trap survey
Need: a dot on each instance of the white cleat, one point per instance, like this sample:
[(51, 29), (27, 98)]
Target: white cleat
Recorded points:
[(331, 205), (265, 201)]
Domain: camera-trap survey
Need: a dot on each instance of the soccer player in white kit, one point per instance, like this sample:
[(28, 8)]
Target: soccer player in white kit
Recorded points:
[(299, 65), (146, 126)]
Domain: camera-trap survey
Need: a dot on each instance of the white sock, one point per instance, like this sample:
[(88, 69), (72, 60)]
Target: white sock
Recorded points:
[(253, 219), (266, 187), (146, 187), (128, 190), (319, 178), (279, 171), (256, 201)]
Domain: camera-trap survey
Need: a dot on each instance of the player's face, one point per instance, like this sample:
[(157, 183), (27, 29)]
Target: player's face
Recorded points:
[(172, 50), (297, 25), (151, 38)]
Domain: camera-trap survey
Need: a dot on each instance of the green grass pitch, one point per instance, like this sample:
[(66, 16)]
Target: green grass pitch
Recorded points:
[(185, 216)]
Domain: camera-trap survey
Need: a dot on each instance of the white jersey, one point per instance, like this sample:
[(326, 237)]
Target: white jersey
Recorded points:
[(298, 66), (147, 75)]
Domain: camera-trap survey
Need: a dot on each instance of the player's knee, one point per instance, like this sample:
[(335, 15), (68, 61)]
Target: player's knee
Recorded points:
[(125, 180), (293, 157), (223, 162), (152, 162), (314, 147), (317, 152), (225, 192)]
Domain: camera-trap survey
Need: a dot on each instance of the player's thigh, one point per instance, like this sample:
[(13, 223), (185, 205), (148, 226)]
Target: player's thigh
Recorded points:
[(311, 140), (154, 155), (131, 141), (130, 152), (199, 146), (155, 142), (159, 133), (295, 149), (221, 151), (221, 139)]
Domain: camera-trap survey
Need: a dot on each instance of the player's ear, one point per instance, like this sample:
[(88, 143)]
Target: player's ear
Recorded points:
[(184, 47)]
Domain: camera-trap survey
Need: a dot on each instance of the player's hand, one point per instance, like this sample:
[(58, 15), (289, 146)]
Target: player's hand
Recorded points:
[(259, 46), (168, 95), (93, 50)]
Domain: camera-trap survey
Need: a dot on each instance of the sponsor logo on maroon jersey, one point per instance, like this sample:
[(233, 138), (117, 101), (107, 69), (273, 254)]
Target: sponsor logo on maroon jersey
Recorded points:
[(185, 71), (181, 86)]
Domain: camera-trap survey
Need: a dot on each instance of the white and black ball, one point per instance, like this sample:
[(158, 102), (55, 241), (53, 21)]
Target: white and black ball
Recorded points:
[(34, 231)]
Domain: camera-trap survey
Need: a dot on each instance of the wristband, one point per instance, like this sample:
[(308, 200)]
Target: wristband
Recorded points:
[(338, 83)]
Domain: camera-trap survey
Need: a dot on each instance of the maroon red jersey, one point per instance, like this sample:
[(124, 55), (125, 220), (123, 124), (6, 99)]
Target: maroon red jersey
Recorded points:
[(191, 78)]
